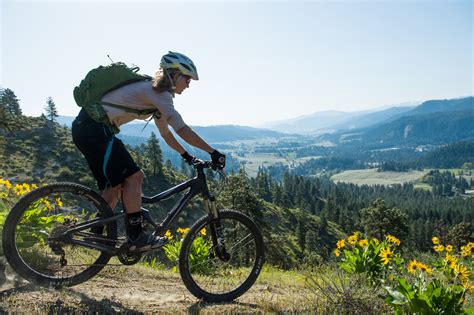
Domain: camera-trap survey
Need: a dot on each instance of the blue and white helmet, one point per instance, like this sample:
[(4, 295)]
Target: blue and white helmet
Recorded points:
[(174, 60)]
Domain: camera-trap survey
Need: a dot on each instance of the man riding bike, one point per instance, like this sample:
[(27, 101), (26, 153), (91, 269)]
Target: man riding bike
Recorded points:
[(112, 165)]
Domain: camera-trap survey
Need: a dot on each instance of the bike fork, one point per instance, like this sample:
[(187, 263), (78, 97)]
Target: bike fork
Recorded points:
[(217, 231)]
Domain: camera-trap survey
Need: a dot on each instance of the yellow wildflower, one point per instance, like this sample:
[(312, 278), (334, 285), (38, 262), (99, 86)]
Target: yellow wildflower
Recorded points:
[(435, 240), (392, 239), (59, 203), (451, 261), (438, 248), (337, 252), (468, 287), (377, 242), (183, 231), (47, 204), (26, 187), (21, 189), (449, 248), (465, 250), (203, 232), (168, 235), (18, 189), (353, 238), (340, 244), (363, 243), (424, 268), (412, 266), (462, 272), (386, 254), (34, 186), (6, 183)]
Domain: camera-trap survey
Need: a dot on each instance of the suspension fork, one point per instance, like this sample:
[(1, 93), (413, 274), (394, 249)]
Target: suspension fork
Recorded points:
[(217, 231)]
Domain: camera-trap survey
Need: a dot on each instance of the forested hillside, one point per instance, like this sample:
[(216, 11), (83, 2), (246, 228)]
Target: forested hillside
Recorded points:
[(302, 215)]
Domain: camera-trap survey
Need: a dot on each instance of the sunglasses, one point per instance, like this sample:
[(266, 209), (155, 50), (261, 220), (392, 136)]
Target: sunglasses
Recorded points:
[(186, 78)]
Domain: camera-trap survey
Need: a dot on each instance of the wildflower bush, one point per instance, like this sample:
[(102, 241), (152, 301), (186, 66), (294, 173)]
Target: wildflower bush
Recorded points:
[(370, 256), (9, 194), (411, 286), (38, 215), (198, 255)]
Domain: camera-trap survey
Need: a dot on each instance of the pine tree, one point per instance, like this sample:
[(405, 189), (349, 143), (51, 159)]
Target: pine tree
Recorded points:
[(9, 102), (301, 234), (239, 195), (51, 110), (312, 241), (154, 155), (262, 185), (10, 112), (378, 220)]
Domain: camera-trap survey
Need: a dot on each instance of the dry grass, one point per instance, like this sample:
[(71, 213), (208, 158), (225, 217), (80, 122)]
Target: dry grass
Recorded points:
[(138, 289)]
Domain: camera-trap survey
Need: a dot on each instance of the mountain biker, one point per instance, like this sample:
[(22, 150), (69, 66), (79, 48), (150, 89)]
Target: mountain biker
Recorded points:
[(111, 163)]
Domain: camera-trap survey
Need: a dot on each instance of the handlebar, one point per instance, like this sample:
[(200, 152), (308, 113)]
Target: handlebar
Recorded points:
[(206, 164)]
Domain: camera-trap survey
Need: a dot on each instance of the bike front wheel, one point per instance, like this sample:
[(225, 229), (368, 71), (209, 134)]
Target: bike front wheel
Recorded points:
[(36, 241), (218, 275)]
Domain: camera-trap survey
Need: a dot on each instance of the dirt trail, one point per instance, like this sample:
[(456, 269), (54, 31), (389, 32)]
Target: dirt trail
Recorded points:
[(132, 290)]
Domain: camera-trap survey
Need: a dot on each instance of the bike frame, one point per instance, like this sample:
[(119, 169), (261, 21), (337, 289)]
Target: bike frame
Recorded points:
[(197, 185)]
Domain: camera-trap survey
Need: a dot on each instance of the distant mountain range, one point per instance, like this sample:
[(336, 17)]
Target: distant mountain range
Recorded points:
[(328, 121), (432, 122), (139, 131), (325, 120)]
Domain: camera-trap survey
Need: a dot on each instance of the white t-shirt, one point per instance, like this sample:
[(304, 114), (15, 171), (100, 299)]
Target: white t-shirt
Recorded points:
[(140, 95)]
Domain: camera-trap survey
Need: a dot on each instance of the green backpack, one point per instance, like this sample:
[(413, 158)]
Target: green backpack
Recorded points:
[(100, 81)]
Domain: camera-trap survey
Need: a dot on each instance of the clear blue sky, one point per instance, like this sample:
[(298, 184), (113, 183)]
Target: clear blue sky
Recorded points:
[(257, 61)]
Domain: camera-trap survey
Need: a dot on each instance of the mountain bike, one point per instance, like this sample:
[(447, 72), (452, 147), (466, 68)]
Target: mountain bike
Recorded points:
[(49, 238)]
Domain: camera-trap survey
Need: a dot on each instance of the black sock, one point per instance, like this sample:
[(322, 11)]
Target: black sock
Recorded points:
[(97, 229), (134, 224)]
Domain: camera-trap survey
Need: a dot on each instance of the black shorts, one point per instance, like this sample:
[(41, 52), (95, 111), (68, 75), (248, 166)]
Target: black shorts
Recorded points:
[(108, 159)]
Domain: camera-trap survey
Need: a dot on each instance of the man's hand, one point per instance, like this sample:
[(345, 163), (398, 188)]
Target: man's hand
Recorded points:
[(188, 157), (218, 159)]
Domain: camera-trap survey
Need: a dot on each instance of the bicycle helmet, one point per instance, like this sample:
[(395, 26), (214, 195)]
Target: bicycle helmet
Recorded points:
[(174, 60)]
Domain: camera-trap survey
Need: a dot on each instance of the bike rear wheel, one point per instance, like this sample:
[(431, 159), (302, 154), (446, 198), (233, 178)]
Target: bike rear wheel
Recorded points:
[(217, 279), (33, 236)]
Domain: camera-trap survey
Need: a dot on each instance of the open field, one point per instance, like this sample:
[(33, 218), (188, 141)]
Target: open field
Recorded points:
[(373, 177), (255, 160)]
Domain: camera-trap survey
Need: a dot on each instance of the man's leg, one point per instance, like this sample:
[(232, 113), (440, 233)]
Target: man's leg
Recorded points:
[(132, 200), (111, 195), (132, 192)]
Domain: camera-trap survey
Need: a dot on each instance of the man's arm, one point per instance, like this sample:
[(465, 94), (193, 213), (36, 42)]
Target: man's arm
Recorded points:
[(173, 143), (188, 135)]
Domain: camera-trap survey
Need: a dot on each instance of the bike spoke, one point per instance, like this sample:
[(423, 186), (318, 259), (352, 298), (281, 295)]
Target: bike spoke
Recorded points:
[(221, 275), (42, 237), (249, 235)]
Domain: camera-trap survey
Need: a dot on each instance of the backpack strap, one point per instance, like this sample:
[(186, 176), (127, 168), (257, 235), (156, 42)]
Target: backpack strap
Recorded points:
[(150, 111)]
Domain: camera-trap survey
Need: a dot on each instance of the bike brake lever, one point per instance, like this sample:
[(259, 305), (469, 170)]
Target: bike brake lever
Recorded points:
[(196, 161)]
